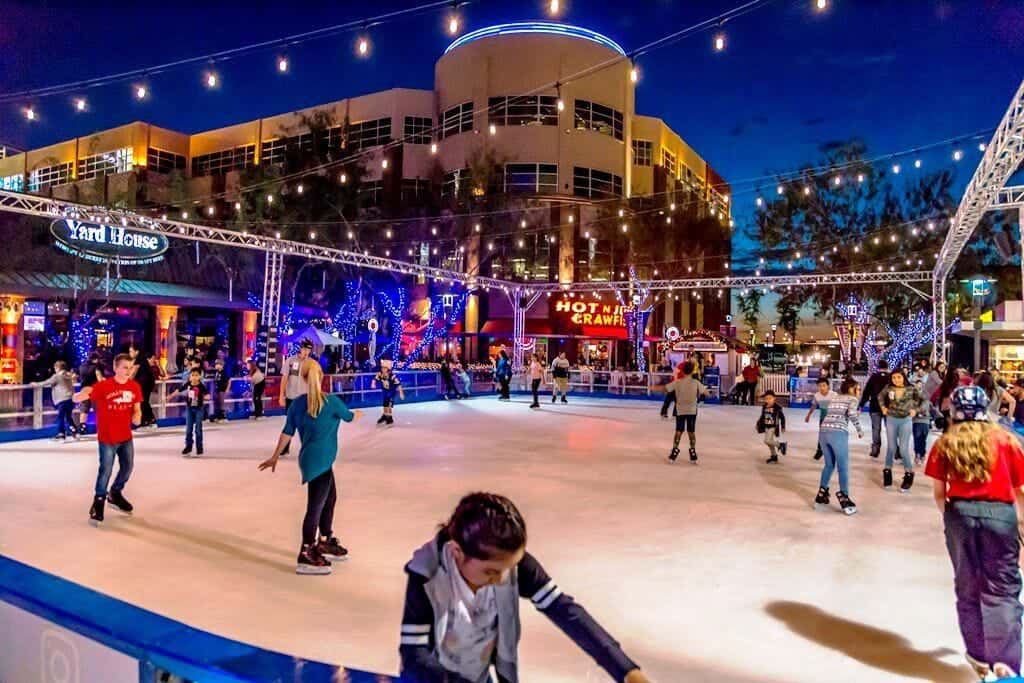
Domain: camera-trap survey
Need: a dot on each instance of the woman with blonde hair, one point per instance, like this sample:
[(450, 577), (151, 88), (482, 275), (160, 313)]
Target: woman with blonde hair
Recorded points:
[(978, 470), (316, 416)]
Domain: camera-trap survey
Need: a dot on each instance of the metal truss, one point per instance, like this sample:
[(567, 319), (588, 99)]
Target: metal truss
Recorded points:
[(1008, 198), (45, 207), (742, 282)]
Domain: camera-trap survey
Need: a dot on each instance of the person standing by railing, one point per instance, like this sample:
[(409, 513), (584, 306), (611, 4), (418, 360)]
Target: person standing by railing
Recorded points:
[(61, 385), (259, 384), (118, 406), (503, 373), (142, 373), (220, 388)]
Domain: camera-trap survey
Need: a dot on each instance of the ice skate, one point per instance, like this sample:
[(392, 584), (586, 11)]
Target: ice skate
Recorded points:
[(772, 460), (311, 562), (187, 451), (846, 504), (673, 455), (382, 420), (96, 511), (821, 501), (331, 549), (908, 482), (783, 447), (389, 420), (119, 502), (693, 455), (887, 478)]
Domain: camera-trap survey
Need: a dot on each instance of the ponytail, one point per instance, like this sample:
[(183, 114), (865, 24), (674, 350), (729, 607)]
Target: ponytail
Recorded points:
[(315, 398)]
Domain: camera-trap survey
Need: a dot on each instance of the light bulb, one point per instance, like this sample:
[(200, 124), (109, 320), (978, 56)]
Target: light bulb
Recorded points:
[(821, 4), (572, 218), (672, 206), (958, 155), (80, 104), (520, 244), (270, 199), (553, 7), (453, 25), (238, 206), (384, 164), (184, 215), (141, 92), (209, 211), (433, 148), (433, 231), (561, 104), (917, 163), (838, 180), (363, 47), (387, 233), (719, 42), (282, 64), (477, 227), (981, 146), (299, 189), (211, 80), (779, 189), (634, 75), (343, 178), (350, 234), (490, 246), (30, 113), (492, 129), (312, 235), (896, 169), (522, 223), (625, 228), (807, 190)]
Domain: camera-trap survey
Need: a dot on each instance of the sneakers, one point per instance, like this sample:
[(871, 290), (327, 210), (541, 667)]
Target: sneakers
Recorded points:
[(846, 504), (886, 477), (311, 562), (673, 455), (382, 420), (331, 549), (693, 455), (96, 511), (771, 460), (118, 500), (821, 500), (908, 482), (783, 447)]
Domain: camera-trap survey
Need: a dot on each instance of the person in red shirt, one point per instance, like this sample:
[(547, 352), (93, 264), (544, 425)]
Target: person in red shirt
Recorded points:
[(978, 469), (118, 402)]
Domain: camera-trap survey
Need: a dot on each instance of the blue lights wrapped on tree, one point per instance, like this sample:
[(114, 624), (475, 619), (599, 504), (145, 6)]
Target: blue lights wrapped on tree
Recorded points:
[(439, 323), (394, 307)]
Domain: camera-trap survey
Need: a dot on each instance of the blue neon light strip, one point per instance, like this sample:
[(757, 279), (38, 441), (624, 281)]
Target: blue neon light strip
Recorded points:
[(537, 27)]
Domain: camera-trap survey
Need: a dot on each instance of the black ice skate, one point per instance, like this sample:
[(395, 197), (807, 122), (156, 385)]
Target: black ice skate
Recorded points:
[(96, 511), (673, 455), (821, 501), (312, 562), (553, 398), (783, 447), (846, 504), (331, 549), (116, 499), (908, 482), (693, 455), (818, 455), (187, 451), (382, 420), (565, 400), (772, 460), (389, 419), (886, 477)]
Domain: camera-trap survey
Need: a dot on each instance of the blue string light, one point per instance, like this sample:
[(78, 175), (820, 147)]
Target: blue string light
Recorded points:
[(394, 312), (82, 338), (346, 317)]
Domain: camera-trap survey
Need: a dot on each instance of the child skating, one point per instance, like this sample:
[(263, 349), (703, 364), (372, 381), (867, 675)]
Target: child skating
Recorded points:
[(195, 393), (389, 385), (461, 616), (834, 441), (62, 389), (688, 392), (819, 402), (922, 425), (772, 424)]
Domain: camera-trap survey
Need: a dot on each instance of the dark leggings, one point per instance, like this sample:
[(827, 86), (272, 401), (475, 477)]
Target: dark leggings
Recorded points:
[(147, 410), (670, 398), (536, 387), (257, 398), (322, 495)]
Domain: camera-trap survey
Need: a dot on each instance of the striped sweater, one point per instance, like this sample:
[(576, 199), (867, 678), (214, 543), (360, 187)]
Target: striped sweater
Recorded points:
[(842, 410)]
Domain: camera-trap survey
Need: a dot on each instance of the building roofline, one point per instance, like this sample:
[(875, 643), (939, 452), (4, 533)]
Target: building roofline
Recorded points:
[(540, 27)]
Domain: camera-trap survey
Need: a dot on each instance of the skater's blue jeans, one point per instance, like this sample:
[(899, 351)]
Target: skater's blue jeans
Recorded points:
[(835, 446), (194, 423), (921, 430), (64, 422), (898, 431), (125, 453), (981, 537), (877, 420)]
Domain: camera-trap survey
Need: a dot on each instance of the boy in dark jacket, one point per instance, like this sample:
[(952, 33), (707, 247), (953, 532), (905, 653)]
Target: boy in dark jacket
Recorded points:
[(772, 424), (461, 612), (875, 384), (195, 393), (220, 386)]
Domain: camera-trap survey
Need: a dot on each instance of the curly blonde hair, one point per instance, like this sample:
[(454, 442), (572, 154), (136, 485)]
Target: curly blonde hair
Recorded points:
[(970, 449)]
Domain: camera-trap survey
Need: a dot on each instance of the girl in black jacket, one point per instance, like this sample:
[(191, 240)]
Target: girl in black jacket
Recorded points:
[(462, 602)]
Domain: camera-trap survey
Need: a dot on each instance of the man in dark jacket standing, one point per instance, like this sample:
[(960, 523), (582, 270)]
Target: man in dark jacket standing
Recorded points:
[(875, 384)]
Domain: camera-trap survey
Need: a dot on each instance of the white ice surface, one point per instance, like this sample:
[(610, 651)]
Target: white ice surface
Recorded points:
[(721, 572)]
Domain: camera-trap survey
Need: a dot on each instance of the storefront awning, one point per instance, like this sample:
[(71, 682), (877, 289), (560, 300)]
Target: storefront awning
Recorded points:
[(60, 285)]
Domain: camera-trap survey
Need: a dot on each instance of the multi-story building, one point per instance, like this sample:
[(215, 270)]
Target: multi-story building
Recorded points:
[(530, 136)]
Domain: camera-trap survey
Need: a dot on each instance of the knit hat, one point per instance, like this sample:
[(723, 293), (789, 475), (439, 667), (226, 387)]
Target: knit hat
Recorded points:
[(970, 403)]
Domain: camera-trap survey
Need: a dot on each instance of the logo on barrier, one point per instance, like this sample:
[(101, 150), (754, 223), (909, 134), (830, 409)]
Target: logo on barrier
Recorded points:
[(60, 662)]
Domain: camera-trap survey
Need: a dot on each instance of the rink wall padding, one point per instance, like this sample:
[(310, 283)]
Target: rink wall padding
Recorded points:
[(54, 630)]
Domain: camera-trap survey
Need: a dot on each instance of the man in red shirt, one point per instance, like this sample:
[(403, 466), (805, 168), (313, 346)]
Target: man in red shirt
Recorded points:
[(748, 389), (118, 402)]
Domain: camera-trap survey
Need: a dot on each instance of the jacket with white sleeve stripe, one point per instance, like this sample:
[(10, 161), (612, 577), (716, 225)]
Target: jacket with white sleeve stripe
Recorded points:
[(425, 600)]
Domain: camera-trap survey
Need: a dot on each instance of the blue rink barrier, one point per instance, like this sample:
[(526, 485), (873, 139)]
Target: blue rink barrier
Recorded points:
[(54, 630)]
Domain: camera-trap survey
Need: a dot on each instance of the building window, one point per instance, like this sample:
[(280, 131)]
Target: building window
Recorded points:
[(592, 183), (456, 183), (531, 178), (217, 163), (13, 183), (668, 160), (162, 161), (371, 193), (42, 178), (642, 152), (458, 119), (107, 163), (418, 130), (367, 134), (531, 110), (415, 189), (597, 117)]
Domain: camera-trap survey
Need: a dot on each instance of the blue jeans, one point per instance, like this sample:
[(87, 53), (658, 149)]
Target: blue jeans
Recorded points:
[(921, 430), (125, 452), (835, 446), (877, 420), (64, 422), (981, 537), (194, 423), (898, 431)]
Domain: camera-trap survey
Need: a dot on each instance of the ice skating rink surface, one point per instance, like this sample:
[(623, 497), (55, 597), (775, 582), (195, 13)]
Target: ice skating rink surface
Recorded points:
[(720, 572)]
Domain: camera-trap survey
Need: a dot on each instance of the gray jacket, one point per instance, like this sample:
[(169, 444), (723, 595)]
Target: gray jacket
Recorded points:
[(63, 386)]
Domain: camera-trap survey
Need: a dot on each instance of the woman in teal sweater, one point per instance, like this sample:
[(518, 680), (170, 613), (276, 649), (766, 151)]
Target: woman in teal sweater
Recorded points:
[(317, 417)]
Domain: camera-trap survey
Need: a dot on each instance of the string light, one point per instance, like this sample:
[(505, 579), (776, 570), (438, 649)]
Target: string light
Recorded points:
[(522, 223), (896, 169), (433, 148), (520, 243), (30, 113), (211, 80), (387, 233), (453, 25), (553, 7), (384, 164), (634, 75), (492, 129), (476, 227), (917, 163), (282, 65), (860, 177), (958, 155), (625, 228), (363, 46), (343, 178), (299, 189), (433, 230), (672, 206), (719, 42), (490, 246), (141, 92), (80, 104)]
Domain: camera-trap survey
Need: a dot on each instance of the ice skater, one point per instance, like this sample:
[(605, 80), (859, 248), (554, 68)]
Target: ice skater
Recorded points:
[(819, 402), (195, 393), (536, 371), (560, 375), (259, 385), (221, 380), (463, 378), (687, 391), (899, 402), (389, 385), (503, 375), (979, 474), (293, 384), (834, 443), (317, 417), (922, 426), (62, 388), (118, 402), (461, 615), (772, 423), (670, 396)]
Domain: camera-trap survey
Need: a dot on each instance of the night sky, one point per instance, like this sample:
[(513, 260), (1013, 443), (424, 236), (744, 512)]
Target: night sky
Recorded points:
[(898, 74)]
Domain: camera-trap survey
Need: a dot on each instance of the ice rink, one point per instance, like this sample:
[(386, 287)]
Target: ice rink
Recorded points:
[(721, 572)]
